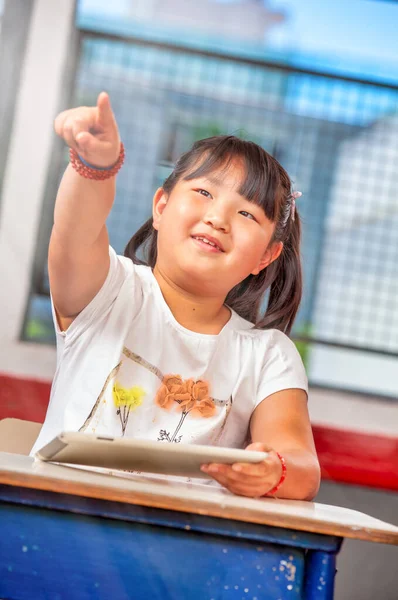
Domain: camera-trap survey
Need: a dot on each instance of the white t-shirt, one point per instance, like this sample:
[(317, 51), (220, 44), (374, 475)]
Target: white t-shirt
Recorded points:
[(126, 367)]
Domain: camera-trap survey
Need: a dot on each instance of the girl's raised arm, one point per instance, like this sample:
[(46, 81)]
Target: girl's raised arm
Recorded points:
[(78, 254)]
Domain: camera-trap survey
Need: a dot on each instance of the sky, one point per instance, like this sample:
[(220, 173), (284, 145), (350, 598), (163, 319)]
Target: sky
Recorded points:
[(358, 30), (358, 36)]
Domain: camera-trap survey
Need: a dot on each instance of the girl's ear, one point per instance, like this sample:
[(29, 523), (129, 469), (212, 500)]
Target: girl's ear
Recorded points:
[(158, 206), (272, 253)]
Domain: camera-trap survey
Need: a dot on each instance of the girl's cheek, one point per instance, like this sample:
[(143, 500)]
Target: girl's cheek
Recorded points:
[(188, 207), (252, 243)]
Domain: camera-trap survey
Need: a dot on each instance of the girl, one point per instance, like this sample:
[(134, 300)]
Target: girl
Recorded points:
[(175, 346)]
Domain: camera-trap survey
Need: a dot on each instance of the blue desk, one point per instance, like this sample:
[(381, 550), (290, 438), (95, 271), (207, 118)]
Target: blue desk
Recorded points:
[(72, 534)]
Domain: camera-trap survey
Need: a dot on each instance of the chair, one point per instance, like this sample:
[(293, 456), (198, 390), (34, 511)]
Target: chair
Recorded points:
[(17, 436)]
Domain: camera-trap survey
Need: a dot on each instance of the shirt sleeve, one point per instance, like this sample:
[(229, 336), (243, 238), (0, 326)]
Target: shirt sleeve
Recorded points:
[(121, 269), (282, 369)]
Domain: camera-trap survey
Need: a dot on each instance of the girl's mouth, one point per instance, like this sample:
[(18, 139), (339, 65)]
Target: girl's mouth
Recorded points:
[(208, 243)]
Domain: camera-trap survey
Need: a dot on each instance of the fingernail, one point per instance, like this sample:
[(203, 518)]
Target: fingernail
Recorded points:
[(213, 469), (237, 468)]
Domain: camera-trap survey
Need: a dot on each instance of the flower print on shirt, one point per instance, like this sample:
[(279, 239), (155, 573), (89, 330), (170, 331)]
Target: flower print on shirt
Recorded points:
[(187, 396), (100, 398), (191, 397), (126, 400)]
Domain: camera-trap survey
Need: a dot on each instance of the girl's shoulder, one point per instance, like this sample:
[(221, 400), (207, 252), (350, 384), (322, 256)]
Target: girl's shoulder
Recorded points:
[(129, 273), (266, 339), (130, 269), (274, 355)]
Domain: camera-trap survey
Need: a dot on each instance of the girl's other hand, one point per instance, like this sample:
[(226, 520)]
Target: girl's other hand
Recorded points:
[(248, 479), (91, 131)]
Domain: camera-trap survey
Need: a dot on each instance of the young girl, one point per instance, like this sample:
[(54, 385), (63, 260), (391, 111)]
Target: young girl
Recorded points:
[(177, 346)]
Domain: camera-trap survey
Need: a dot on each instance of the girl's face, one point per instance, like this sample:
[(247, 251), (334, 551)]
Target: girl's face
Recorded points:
[(210, 237)]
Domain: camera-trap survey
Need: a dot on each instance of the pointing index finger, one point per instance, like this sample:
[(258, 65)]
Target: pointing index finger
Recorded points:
[(105, 112)]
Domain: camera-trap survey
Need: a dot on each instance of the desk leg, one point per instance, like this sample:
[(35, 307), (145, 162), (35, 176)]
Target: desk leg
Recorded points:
[(320, 571)]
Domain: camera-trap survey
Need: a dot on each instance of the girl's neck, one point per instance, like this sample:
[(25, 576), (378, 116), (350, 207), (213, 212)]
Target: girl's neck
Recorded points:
[(200, 314)]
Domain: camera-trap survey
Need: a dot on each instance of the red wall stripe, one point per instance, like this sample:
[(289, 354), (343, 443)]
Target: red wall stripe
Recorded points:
[(345, 456), (22, 398), (357, 458)]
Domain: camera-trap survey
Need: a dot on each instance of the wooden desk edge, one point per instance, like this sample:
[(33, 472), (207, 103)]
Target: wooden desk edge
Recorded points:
[(225, 512)]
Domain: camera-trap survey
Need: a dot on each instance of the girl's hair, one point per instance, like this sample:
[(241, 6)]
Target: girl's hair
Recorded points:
[(266, 183)]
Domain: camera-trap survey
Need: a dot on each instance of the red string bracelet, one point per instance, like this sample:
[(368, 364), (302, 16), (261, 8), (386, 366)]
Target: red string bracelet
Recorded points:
[(282, 479), (97, 173)]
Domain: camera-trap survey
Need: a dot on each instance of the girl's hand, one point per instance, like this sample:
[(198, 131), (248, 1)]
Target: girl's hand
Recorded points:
[(92, 131), (247, 479)]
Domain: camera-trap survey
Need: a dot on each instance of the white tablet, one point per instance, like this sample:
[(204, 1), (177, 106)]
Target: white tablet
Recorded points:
[(141, 455)]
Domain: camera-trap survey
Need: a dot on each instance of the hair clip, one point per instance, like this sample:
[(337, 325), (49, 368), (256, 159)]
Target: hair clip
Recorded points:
[(294, 196)]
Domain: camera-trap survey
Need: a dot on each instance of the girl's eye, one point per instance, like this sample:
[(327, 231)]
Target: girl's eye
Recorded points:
[(204, 193), (247, 214)]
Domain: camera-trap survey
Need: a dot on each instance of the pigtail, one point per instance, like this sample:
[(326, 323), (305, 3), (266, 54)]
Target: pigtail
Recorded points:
[(285, 282), (145, 241)]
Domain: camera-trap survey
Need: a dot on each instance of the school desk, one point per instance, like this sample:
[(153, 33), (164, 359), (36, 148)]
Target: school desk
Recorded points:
[(69, 534)]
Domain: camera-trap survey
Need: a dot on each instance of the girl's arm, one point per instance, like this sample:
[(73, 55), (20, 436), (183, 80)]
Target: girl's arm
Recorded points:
[(78, 260), (280, 423)]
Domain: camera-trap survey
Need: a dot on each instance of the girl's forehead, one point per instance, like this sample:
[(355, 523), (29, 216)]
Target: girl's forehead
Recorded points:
[(231, 175)]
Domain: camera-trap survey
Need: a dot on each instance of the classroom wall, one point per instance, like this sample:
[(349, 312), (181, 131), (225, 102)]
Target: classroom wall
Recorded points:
[(25, 176)]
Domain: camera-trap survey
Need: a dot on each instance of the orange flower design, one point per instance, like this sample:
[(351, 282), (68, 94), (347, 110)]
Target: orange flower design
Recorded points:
[(206, 407), (190, 395)]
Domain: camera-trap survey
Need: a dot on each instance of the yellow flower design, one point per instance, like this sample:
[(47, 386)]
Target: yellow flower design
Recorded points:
[(131, 398), (126, 400)]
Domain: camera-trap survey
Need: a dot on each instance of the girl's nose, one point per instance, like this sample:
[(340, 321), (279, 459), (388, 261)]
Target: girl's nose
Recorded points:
[(217, 219)]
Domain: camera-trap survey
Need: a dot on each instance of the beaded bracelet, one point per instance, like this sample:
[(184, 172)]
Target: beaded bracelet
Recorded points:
[(97, 173), (282, 479)]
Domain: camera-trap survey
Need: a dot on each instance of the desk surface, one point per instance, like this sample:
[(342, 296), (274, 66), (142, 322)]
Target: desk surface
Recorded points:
[(23, 471)]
